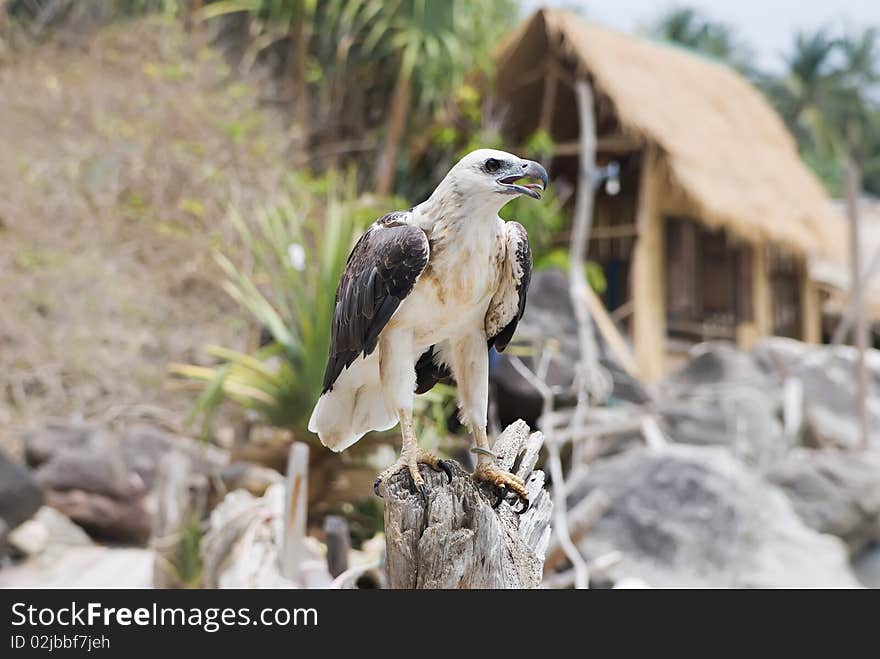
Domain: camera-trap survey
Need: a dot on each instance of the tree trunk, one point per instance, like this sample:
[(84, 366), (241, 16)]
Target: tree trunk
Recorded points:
[(853, 188), (456, 539), (396, 126), (296, 75)]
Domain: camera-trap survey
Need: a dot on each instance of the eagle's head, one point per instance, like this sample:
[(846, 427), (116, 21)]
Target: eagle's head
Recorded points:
[(488, 172)]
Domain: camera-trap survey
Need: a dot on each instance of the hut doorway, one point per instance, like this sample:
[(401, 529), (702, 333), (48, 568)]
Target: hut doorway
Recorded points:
[(787, 279), (709, 282)]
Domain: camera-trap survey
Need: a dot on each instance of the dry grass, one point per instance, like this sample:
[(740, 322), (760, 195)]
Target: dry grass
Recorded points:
[(120, 153)]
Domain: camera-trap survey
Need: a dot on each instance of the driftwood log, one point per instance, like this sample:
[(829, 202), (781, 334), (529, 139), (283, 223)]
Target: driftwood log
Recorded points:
[(456, 539)]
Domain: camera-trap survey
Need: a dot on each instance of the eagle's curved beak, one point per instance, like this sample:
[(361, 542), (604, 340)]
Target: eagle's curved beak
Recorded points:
[(526, 180)]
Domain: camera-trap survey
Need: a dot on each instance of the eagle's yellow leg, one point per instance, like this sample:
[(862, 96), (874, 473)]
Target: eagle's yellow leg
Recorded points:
[(411, 456), (488, 472)]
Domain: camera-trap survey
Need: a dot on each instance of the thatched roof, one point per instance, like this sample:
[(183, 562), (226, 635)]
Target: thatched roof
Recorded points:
[(726, 150)]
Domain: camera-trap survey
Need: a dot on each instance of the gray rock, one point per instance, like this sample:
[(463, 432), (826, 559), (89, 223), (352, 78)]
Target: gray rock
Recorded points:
[(836, 492), (717, 362), (20, 495), (105, 518), (143, 446), (867, 566), (103, 480), (254, 478), (695, 516), (829, 382), (62, 531), (29, 539), (40, 444), (102, 473), (724, 397)]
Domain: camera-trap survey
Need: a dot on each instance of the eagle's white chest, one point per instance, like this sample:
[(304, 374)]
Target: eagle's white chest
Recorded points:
[(452, 295)]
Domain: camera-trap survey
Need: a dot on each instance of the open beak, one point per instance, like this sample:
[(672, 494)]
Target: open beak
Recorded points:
[(532, 181)]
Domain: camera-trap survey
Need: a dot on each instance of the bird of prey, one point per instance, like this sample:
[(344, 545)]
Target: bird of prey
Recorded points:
[(425, 294)]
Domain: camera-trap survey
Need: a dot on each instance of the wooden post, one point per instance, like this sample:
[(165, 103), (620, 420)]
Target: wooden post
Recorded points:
[(293, 551), (456, 539), (338, 541), (583, 218), (181, 499), (853, 187), (548, 102), (843, 328), (811, 311), (648, 275), (761, 295)]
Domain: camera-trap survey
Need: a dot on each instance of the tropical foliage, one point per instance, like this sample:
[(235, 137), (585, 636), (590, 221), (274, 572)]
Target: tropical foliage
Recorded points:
[(686, 27), (827, 91), (284, 275)]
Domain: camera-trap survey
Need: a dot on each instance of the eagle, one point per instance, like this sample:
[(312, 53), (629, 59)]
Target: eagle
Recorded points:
[(425, 294)]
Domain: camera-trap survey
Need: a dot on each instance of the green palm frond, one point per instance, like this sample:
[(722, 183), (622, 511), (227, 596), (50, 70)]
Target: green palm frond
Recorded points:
[(293, 254)]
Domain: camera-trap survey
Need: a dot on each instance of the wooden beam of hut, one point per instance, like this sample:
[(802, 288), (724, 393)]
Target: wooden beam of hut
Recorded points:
[(761, 297), (648, 276)]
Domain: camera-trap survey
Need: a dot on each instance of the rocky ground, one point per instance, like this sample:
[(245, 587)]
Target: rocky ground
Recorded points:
[(760, 481)]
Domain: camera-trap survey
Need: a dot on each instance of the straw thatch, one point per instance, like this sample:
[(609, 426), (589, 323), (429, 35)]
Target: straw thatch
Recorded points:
[(726, 151)]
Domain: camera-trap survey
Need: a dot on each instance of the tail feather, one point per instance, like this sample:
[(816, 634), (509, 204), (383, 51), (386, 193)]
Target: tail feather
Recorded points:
[(354, 407)]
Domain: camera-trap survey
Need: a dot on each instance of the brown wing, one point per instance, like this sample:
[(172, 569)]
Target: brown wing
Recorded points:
[(381, 271), (518, 249)]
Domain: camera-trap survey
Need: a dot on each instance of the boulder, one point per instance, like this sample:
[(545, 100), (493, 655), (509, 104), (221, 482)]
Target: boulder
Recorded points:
[(40, 444), (696, 516), (718, 362), (20, 494), (102, 473), (829, 384), (835, 492), (105, 518), (143, 447), (29, 538), (62, 531), (867, 566), (254, 478), (723, 396), (103, 480), (549, 314)]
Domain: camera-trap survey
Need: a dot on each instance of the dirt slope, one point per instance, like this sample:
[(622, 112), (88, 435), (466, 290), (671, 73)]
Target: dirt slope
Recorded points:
[(119, 154)]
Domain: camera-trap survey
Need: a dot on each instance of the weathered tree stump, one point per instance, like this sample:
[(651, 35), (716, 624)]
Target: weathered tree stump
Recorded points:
[(456, 539)]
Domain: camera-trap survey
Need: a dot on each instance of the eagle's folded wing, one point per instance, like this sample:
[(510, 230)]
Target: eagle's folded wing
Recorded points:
[(381, 271), (509, 302)]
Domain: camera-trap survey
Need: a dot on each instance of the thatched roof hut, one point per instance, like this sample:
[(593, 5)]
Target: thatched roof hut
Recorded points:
[(722, 167)]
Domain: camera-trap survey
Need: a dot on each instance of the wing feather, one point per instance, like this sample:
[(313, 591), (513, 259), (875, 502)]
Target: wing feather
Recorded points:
[(381, 271), (519, 258)]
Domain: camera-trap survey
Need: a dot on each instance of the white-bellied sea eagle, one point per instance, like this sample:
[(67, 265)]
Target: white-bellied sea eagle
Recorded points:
[(425, 293)]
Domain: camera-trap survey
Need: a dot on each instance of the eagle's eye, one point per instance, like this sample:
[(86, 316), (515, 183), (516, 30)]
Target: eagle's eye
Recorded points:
[(492, 165)]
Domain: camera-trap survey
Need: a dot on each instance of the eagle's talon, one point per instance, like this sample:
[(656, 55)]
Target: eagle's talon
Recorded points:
[(502, 494), (525, 508), (424, 490), (376, 485), (444, 465)]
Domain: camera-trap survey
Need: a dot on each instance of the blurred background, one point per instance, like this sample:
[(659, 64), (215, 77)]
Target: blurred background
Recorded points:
[(181, 182)]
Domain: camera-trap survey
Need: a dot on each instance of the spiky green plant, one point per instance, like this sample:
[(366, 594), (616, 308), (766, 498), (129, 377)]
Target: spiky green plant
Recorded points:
[(296, 250)]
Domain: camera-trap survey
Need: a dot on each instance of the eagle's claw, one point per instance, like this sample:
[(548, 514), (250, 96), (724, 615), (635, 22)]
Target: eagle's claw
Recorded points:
[(376, 485), (444, 465), (504, 484), (502, 494)]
